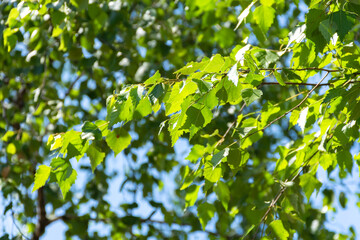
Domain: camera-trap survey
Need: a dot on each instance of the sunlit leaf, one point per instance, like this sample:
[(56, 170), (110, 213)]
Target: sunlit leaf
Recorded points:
[(41, 176)]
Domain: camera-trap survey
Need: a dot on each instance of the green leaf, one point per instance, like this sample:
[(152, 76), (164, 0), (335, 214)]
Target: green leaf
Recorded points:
[(345, 160), (118, 140), (233, 74), (249, 95), (333, 93), (206, 212), (264, 17), (254, 79), (291, 75), (211, 173), (251, 63), (223, 193), (279, 78), (269, 113), (191, 195), (11, 149), (197, 151), (196, 119), (153, 79), (41, 176), (90, 131), (355, 113), (313, 19), (236, 159), (343, 21), (143, 108), (218, 157), (265, 58), (7, 136), (248, 231), (326, 160), (95, 155), (80, 4), (212, 169), (156, 93), (72, 144), (178, 93), (192, 67), (13, 15), (278, 230), (215, 64), (57, 17), (103, 127), (66, 179), (188, 177), (267, 3), (343, 200), (327, 29), (309, 183)]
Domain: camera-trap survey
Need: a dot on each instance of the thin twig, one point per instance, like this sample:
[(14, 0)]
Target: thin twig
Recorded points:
[(222, 139), (72, 85), (303, 84), (292, 109), (281, 192), (17, 227)]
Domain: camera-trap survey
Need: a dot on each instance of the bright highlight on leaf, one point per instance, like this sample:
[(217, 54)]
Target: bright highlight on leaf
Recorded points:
[(233, 75)]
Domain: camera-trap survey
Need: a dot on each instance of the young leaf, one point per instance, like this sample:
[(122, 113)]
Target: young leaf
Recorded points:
[(153, 79), (215, 64), (265, 58), (313, 19), (197, 151), (143, 108), (264, 17), (206, 212), (249, 95), (343, 21), (156, 93), (118, 140), (223, 193), (254, 79), (211, 173), (90, 131), (95, 155), (178, 93), (66, 179), (278, 230), (191, 195), (236, 159), (41, 176), (279, 78), (218, 157), (212, 169), (345, 160), (309, 183)]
